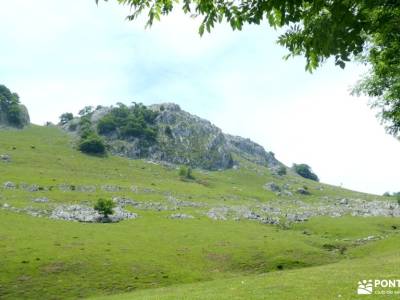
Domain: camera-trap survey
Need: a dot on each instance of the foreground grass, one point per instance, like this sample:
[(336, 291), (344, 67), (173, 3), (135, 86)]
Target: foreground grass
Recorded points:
[(334, 281)]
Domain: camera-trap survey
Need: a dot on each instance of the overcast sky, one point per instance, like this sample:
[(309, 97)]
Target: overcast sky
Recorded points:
[(62, 55)]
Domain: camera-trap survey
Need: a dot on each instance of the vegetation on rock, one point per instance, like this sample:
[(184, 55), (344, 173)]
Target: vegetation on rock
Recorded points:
[(136, 121), (65, 118)]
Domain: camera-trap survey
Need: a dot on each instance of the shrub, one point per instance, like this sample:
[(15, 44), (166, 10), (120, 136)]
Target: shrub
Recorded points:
[(168, 131), (92, 144), (65, 118), (106, 125), (397, 195), (281, 171), (14, 115), (86, 111), (305, 171), (104, 207), (186, 172)]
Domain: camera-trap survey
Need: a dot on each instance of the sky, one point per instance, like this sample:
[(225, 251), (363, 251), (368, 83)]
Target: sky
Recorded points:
[(60, 56)]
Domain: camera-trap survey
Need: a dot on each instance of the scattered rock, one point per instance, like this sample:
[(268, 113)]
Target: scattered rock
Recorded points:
[(41, 200), (181, 216), (33, 188), (297, 217), (110, 188), (86, 188), (303, 191), (82, 213), (218, 213), (344, 201), (5, 158), (9, 185), (272, 186)]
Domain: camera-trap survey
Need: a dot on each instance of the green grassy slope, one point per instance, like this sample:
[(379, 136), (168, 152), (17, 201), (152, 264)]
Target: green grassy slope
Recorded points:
[(52, 259)]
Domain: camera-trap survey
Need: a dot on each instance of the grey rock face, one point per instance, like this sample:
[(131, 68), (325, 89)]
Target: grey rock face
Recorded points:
[(251, 151), (24, 115), (193, 141)]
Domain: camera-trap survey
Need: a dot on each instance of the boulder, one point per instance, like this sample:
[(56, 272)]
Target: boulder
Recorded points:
[(9, 185), (181, 216), (5, 158), (302, 191), (272, 186)]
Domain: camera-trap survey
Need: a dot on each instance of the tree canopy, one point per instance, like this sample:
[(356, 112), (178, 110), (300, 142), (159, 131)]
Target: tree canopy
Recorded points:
[(10, 105), (305, 171), (363, 30)]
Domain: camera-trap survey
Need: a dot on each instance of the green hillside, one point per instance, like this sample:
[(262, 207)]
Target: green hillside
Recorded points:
[(157, 256)]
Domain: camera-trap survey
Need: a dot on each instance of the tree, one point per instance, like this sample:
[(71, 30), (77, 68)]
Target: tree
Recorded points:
[(10, 105), (104, 207), (305, 171), (87, 110), (361, 30), (65, 118)]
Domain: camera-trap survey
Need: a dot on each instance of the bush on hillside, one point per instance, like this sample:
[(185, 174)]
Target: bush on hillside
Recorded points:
[(168, 131), (186, 172), (92, 144), (106, 125), (305, 171), (281, 171)]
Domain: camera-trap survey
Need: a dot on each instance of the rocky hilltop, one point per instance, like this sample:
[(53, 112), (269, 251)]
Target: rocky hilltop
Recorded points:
[(182, 138)]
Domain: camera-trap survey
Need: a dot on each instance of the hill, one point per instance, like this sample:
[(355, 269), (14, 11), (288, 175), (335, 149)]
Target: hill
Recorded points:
[(195, 238), (165, 132)]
